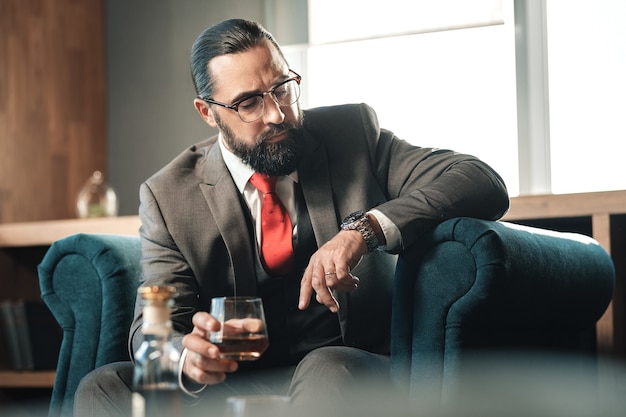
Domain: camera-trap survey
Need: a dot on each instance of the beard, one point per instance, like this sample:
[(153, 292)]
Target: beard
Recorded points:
[(273, 159)]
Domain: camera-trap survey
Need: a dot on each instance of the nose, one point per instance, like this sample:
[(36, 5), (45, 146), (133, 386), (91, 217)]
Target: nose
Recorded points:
[(273, 113)]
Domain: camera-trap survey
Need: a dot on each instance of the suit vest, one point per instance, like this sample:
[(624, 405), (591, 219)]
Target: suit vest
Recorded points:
[(292, 333)]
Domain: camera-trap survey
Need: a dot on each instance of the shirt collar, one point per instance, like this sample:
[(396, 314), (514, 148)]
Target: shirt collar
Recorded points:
[(239, 171)]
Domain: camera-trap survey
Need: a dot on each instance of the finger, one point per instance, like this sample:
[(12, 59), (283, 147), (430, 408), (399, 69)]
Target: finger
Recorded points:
[(342, 272), (322, 290), (197, 343), (305, 288), (328, 299), (348, 283), (246, 325), (324, 295), (204, 322), (211, 365), (339, 278), (192, 368), (355, 281), (207, 371), (252, 325), (330, 277)]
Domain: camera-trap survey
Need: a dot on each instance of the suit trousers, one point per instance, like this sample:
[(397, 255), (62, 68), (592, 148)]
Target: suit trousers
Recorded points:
[(330, 378)]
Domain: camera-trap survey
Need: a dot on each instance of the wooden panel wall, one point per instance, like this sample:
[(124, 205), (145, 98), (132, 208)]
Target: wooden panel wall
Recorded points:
[(52, 105)]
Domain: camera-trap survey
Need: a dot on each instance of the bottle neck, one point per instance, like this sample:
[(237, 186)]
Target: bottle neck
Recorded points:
[(156, 322), (156, 333)]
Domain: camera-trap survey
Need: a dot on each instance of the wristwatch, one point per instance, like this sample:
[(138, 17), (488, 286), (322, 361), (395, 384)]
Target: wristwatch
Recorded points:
[(360, 222)]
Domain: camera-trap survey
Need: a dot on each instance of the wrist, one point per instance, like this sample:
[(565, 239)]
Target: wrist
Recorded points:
[(378, 230), (188, 386), (369, 229)]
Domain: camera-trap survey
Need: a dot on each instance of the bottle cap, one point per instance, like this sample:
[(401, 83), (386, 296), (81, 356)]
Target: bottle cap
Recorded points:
[(157, 292)]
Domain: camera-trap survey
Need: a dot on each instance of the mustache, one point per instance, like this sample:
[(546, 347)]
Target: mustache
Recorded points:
[(275, 130)]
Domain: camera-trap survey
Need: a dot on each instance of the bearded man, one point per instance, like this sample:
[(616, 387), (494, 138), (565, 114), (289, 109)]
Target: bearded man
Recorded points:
[(353, 195)]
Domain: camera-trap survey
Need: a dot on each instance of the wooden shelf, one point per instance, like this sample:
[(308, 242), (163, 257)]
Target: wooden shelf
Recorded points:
[(567, 205), (27, 379), (46, 232)]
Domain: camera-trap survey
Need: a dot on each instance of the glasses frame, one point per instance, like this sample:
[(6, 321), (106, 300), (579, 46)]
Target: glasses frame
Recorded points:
[(235, 106)]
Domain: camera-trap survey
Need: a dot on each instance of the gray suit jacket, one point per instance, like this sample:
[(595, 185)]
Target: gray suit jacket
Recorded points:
[(194, 229)]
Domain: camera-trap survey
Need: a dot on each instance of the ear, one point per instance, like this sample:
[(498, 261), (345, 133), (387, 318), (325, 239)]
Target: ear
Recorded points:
[(205, 112)]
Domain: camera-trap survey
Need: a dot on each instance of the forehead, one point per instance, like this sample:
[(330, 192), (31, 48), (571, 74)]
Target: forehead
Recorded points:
[(256, 69)]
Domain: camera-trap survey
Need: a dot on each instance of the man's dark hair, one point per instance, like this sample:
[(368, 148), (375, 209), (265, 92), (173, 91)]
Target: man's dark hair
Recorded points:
[(228, 37)]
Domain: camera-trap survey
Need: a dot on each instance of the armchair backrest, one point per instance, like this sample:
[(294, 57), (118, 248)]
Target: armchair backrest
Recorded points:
[(89, 283)]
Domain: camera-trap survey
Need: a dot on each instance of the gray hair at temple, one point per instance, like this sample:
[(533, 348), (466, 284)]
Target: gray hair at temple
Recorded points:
[(227, 37)]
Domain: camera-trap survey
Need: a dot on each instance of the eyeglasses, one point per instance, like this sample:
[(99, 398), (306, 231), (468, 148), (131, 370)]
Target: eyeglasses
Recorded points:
[(251, 108)]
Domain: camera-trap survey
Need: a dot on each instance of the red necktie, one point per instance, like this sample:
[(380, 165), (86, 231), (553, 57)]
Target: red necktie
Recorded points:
[(276, 233)]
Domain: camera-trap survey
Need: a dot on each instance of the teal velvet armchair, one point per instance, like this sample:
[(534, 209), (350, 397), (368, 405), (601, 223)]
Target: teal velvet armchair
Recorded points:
[(89, 282), (469, 285)]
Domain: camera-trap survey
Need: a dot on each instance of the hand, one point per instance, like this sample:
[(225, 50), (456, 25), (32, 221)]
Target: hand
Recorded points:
[(202, 363), (329, 269), (239, 326)]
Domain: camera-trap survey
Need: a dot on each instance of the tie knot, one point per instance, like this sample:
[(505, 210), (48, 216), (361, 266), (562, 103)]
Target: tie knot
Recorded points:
[(263, 183)]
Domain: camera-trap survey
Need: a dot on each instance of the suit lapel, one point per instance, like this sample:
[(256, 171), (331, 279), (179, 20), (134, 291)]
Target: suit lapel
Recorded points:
[(224, 202), (314, 176)]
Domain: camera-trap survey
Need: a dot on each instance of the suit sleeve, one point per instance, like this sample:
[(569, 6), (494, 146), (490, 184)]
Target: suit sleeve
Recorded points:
[(163, 264), (426, 186)]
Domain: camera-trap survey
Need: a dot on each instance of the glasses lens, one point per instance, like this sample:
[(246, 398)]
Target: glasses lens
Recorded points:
[(287, 93), (251, 109)]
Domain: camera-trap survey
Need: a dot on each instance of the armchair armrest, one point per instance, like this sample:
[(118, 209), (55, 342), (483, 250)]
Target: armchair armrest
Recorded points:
[(89, 283), (484, 285)]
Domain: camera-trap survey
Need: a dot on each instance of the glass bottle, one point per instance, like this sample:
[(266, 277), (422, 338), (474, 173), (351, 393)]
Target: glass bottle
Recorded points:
[(155, 378), (96, 198)]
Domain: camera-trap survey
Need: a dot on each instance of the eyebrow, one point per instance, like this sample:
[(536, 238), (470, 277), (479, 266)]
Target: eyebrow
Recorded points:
[(246, 94)]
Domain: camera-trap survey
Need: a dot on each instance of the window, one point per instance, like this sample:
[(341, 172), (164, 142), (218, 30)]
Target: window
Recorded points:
[(587, 63), (448, 89), (332, 21), (457, 88)]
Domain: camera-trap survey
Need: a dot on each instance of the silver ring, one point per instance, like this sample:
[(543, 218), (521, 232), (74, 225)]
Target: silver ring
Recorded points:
[(329, 273)]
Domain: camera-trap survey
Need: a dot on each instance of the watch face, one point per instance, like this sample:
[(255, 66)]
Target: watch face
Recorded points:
[(352, 221), (358, 221), (353, 217)]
